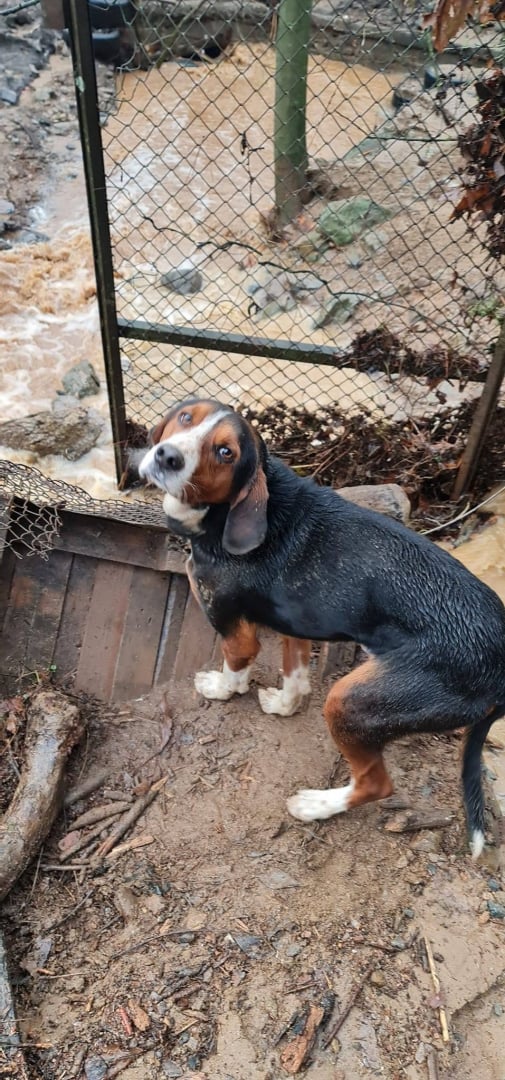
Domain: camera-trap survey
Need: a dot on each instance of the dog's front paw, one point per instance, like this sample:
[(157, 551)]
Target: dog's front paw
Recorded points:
[(221, 685), (313, 805), (277, 702)]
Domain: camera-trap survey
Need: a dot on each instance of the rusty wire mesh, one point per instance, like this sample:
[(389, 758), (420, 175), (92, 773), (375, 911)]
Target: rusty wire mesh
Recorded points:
[(197, 244)]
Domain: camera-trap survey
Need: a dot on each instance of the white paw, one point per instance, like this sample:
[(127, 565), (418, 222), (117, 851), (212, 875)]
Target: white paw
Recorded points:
[(277, 702), (222, 685), (313, 805)]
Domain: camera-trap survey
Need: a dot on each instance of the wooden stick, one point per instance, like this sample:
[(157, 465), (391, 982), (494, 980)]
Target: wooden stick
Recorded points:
[(86, 788), (350, 1005), (432, 1064), (129, 819), (100, 813), (436, 984), (81, 843), (130, 845)]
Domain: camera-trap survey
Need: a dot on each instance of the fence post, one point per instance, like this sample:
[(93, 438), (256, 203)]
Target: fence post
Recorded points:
[(482, 419), (290, 144), (78, 23)]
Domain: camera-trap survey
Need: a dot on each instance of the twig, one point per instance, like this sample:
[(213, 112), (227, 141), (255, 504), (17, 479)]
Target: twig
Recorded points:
[(432, 1064), (130, 845), (99, 813), (330, 1035), (82, 843), (436, 984), (86, 788), (129, 819)]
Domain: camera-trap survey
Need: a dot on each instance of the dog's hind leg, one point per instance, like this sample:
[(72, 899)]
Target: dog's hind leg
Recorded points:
[(295, 683), (240, 649), (349, 713)]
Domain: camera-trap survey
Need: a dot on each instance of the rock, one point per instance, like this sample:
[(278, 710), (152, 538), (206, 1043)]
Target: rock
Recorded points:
[(377, 978), (493, 885), (169, 1068), (6, 209), (126, 902), (339, 309), (81, 380), (387, 499), (95, 1068), (496, 911), (184, 279), (497, 1009), (406, 91), (344, 220), (484, 918), (429, 842), (248, 943), (70, 433)]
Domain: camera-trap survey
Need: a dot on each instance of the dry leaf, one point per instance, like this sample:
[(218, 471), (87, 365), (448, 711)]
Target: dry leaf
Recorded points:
[(138, 1016)]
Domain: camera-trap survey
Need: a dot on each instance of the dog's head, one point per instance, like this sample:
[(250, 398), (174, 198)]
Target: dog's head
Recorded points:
[(206, 454)]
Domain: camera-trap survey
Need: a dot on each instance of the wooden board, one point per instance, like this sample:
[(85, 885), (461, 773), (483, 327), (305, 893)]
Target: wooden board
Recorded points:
[(116, 542), (74, 615), (104, 629), (136, 663)]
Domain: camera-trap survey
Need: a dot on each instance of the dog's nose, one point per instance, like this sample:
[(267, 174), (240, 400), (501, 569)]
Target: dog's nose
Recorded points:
[(168, 457)]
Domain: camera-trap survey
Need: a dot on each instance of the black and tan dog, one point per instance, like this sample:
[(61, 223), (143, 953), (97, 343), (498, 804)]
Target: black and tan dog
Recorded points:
[(271, 549)]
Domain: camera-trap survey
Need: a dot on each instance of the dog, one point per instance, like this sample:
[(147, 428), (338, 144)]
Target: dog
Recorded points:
[(272, 549)]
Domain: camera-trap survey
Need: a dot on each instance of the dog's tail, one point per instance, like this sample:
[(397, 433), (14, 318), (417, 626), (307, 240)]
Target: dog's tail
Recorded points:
[(472, 779)]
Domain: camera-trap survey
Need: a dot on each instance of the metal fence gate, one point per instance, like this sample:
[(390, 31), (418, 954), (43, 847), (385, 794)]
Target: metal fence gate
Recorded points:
[(371, 310)]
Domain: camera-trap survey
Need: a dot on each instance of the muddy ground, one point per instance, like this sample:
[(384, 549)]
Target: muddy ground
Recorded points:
[(200, 953)]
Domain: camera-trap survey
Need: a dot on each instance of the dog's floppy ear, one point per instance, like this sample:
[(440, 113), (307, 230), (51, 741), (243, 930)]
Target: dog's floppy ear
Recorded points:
[(246, 524), (156, 432)]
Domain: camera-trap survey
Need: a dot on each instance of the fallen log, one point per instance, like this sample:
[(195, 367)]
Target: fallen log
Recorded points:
[(12, 1062), (53, 729)]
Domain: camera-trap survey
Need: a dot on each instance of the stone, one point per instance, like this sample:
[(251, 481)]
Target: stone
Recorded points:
[(71, 433), (81, 381), (496, 911), (169, 1068), (377, 978), (344, 220), (184, 279), (339, 309), (387, 499), (95, 1068)]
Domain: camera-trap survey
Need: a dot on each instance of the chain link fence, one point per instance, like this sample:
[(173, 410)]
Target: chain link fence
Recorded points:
[(369, 301), (353, 314)]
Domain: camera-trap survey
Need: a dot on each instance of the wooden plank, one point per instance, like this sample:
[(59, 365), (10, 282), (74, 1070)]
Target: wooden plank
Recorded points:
[(171, 630), (52, 575), (74, 614), (7, 567), (138, 651), (22, 602), (104, 629), (196, 642), (116, 541)]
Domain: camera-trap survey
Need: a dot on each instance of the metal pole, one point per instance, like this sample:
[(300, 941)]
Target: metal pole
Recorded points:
[(482, 418), (78, 22)]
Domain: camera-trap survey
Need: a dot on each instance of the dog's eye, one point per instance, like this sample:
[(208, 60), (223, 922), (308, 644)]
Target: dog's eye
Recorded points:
[(224, 453), (184, 418)]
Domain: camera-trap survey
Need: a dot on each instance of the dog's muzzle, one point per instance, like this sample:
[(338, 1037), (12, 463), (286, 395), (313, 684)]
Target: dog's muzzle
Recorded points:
[(161, 463)]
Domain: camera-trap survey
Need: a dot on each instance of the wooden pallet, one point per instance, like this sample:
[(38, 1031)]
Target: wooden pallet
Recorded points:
[(110, 608), (110, 611)]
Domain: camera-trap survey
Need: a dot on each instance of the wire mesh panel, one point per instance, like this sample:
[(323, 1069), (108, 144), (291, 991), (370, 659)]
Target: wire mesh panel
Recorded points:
[(203, 240)]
